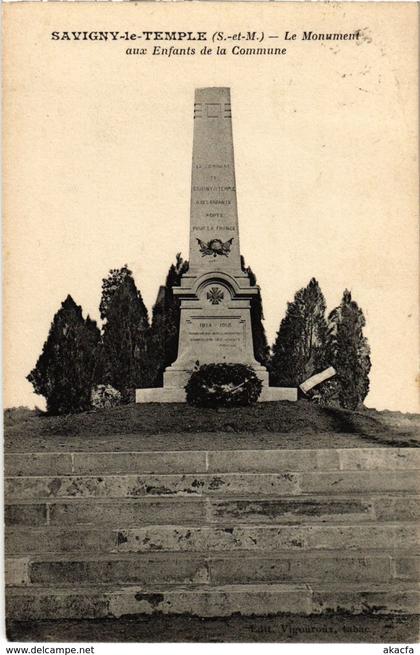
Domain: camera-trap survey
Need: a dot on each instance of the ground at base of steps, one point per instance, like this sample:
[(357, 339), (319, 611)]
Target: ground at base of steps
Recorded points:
[(334, 628)]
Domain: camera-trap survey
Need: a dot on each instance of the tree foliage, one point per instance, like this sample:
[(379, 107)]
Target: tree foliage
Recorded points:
[(64, 371), (300, 347), (164, 333), (124, 359), (348, 351), (259, 339), (110, 284)]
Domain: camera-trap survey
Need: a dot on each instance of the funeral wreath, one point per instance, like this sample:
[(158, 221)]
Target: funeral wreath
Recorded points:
[(218, 385)]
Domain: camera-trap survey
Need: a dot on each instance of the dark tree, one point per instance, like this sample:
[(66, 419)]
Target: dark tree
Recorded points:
[(110, 285), (164, 333), (124, 361), (348, 351), (64, 371), (300, 347), (261, 348)]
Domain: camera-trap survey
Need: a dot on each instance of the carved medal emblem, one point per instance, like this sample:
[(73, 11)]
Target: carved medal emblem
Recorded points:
[(215, 295), (215, 247)]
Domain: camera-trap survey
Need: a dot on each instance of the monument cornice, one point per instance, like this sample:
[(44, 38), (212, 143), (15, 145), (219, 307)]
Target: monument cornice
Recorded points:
[(191, 286)]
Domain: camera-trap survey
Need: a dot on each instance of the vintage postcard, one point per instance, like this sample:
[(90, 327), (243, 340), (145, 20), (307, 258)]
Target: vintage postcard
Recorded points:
[(211, 329)]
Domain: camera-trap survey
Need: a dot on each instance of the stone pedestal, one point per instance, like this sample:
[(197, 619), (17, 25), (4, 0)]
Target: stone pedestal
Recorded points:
[(215, 325)]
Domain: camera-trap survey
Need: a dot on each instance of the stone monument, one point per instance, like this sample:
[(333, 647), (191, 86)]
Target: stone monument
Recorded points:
[(215, 293)]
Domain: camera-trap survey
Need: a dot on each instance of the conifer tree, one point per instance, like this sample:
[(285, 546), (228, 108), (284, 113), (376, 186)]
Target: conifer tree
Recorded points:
[(64, 371), (110, 285), (348, 351), (164, 334), (259, 339), (124, 361), (300, 347)]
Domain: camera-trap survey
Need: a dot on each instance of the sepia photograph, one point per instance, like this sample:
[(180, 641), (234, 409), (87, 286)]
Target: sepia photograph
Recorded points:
[(211, 322)]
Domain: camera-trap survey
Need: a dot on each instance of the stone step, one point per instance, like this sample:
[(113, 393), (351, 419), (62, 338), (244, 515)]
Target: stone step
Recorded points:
[(402, 536), (95, 534), (211, 461), (199, 510), (210, 484), (219, 569), (44, 603)]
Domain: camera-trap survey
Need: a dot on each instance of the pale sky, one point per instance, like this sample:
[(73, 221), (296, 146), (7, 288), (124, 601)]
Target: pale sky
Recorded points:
[(98, 167)]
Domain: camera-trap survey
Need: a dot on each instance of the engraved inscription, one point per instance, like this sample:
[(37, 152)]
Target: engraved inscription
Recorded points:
[(226, 334), (212, 196)]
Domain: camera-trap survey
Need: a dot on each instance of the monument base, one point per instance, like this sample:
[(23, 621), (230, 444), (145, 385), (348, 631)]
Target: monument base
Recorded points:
[(177, 395), (176, 377), (161, 395)]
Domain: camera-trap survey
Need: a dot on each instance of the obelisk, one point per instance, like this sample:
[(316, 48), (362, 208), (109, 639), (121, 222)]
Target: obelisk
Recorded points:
[(215, 293), (214, 234)]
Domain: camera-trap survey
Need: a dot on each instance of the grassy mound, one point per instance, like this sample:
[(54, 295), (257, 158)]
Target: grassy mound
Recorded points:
[(302, 417)]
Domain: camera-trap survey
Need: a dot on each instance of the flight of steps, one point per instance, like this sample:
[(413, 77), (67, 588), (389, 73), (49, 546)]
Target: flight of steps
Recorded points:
[(93, 535)]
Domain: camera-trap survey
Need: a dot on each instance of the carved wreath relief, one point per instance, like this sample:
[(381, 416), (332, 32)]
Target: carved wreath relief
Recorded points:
[(215, 247)]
